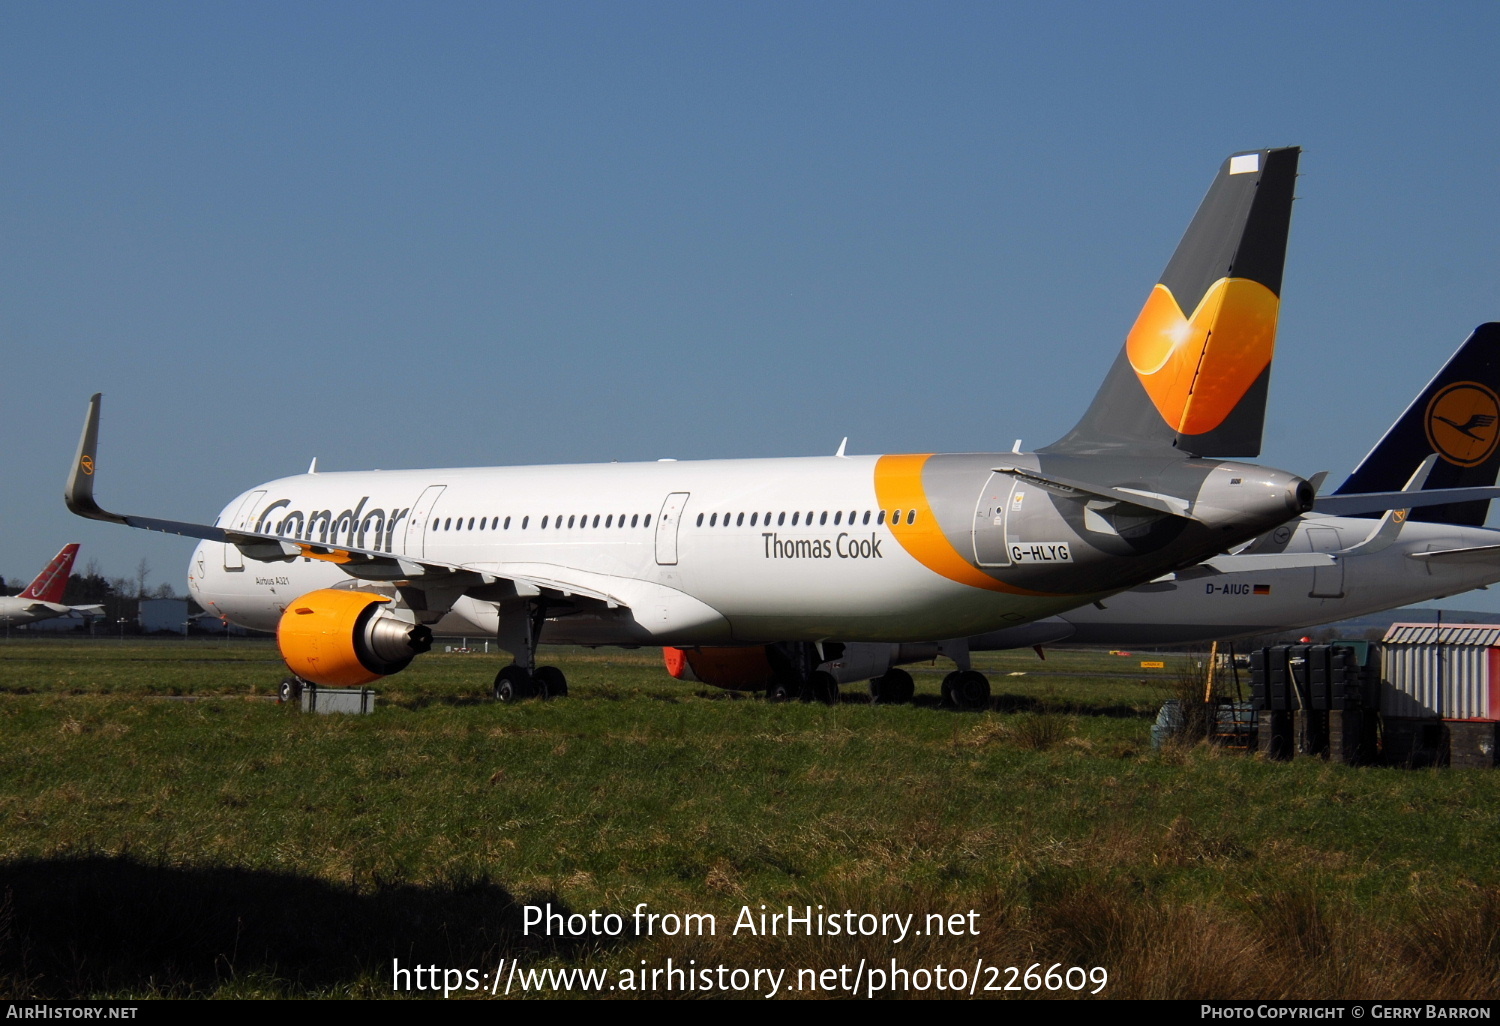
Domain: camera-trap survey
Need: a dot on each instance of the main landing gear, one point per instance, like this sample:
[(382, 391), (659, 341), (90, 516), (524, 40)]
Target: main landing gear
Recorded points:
[(513, 683), (520, 629), (794, 674), (968, 690), (892, 687)]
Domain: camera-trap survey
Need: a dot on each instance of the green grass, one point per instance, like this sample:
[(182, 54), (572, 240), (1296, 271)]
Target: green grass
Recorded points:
[(168, 829)]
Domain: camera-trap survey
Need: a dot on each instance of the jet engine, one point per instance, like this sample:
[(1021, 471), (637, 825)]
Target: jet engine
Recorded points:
[(345, 638)]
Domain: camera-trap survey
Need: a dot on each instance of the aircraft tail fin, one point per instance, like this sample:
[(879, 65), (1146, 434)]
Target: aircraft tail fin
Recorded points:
[(1457, 416), (53, 581), (1193, 375)]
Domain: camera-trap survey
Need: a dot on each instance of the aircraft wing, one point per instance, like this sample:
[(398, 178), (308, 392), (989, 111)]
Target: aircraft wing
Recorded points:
[(1261, 562), (363, 564), (1253, 563)]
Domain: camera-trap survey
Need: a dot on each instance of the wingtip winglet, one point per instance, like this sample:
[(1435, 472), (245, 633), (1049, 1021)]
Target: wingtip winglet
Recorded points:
[(79, 494)]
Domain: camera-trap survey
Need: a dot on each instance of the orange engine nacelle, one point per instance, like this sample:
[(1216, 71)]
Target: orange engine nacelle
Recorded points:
[(738, 669), (344, 638)]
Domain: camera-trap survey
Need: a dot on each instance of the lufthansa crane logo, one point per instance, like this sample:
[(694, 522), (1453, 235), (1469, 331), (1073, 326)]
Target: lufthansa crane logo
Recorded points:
[(1462, 423), (87, 465)]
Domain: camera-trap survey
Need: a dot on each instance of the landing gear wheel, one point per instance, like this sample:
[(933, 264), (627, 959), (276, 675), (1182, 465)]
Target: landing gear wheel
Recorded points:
[(550, 682), (947, 688), (778, 691), (822, 687), (513, 684), (893, 686), (290, 690), (969, 690)]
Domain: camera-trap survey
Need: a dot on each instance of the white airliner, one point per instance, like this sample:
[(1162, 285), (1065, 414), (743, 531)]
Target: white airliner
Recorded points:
[(781, 562), (42, 599), (1447, 439)]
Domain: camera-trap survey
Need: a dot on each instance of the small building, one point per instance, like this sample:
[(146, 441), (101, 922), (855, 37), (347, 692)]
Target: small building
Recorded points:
[(1440, 694), (1447, 672), (163, 615)]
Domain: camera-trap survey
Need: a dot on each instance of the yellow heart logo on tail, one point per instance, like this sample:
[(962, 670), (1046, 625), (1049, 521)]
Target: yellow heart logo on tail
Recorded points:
[(1196, 369)]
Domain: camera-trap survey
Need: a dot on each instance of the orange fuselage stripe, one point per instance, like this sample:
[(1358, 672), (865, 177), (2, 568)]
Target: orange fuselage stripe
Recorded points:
[(898, 486)]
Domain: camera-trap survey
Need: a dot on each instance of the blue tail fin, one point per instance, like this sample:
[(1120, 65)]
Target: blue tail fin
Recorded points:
[(1456, 416)]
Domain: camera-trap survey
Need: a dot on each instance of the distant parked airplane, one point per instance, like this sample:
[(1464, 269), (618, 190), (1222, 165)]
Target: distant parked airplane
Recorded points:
[(42, 599)]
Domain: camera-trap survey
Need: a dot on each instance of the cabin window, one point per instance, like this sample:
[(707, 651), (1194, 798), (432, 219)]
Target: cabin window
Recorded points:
[(911, 516), (571, 519), (752, 518), (713, 519), (739, 520), (647, 521), (609, 521), (881, 518), (794, 518), (822, 518)]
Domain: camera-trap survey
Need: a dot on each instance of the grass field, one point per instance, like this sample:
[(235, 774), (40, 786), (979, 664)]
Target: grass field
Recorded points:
[(167, 829)]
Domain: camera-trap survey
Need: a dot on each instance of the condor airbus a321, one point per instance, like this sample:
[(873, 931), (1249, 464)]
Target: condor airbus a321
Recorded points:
[(772, 564)]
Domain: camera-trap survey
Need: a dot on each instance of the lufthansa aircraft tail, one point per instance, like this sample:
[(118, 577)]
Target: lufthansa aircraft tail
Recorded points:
[(1457, 416), (1194, 372), (53, 581)]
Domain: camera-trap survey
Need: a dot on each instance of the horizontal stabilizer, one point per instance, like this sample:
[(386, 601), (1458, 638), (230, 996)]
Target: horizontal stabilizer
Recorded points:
[(1082, 491), (1472, 555), (1377, 502)]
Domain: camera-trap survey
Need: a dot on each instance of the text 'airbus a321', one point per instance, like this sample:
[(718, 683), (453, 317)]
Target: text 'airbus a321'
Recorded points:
[(770, 566)]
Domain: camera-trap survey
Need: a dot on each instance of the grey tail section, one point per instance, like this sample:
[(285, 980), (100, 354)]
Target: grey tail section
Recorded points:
[(1457, 416), (1210, 402)]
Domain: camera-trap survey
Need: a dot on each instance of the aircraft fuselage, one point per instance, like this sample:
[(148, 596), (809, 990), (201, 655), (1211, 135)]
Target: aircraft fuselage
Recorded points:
[(890, 548)]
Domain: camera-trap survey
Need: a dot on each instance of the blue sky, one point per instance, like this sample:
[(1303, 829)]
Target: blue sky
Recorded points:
[(441, 234)]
